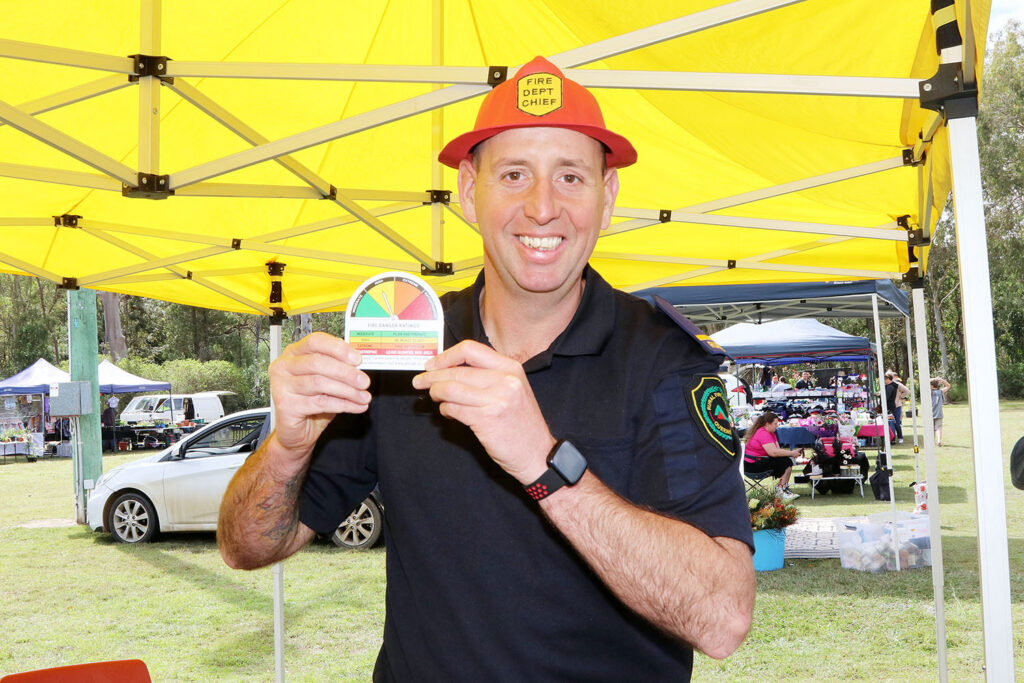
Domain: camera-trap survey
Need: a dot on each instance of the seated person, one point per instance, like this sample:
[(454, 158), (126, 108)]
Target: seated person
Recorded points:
[(764, 454), (806, 381), (778, 387)]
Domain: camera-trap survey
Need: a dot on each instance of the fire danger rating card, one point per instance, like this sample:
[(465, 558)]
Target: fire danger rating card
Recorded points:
[(395, 321)]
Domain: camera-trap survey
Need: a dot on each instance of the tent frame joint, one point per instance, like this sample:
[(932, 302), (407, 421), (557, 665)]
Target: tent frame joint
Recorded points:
[(913, 279), (275, 269), (149, 65), (496, 75), (278, 316), (150, 186), (67, 220), (439, 197), (665, 215), (440, 268), (68, 283), (909, 160), (947, 93)]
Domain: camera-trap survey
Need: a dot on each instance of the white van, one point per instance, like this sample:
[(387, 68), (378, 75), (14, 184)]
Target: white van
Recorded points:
[(205, 406)]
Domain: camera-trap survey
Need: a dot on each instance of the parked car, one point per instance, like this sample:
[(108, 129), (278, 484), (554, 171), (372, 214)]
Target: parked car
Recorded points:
[(181, 487)]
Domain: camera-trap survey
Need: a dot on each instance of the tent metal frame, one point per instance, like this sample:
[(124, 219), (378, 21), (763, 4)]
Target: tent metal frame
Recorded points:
[(469, 82)]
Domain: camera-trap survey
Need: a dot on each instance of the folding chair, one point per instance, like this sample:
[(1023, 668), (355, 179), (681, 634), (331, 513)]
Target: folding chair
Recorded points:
[(119, 671), (752, 480)]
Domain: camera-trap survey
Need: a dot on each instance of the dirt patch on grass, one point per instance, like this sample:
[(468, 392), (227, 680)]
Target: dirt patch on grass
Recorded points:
[(46, 523)]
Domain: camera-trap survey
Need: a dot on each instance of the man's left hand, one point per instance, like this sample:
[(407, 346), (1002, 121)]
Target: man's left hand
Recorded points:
[(490, 394)]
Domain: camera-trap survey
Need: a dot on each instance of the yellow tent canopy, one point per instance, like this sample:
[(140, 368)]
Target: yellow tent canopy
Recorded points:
[(779, 141)]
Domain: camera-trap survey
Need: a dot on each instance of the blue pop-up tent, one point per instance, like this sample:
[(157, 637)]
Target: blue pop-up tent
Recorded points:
[(796, 340), (35, 379), (757, 303), (114, 380)]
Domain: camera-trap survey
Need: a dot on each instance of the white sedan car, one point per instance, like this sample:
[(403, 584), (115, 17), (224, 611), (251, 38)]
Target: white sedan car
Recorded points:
[(181, 487)]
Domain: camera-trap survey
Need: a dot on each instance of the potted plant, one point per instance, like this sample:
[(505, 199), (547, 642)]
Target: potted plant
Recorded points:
[(769, 517)]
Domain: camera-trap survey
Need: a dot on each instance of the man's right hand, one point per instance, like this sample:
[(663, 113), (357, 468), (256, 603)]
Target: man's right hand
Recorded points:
[(313, 380)]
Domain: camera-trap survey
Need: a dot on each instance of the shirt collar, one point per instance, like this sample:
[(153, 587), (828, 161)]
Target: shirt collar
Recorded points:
[(587, 333)]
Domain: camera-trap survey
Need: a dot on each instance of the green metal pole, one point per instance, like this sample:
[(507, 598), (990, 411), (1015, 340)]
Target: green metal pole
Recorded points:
[(83, 351)]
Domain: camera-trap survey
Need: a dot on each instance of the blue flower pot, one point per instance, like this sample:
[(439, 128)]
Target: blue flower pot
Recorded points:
[(769, 549)]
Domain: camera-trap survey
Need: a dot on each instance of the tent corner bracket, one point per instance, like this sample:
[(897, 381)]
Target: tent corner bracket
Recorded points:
[(150, 186), (67, 220), (439, 197), (496, 75), (913, 279), (947, 93), (909, 160), (440, 268), (68, 283), (149, 65), (278, 316)]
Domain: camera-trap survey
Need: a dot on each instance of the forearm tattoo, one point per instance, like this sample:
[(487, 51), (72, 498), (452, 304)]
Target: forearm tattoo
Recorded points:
[(280, 510)]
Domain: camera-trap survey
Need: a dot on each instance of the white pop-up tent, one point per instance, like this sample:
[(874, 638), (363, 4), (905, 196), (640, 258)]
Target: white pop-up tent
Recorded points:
[(268, 157)]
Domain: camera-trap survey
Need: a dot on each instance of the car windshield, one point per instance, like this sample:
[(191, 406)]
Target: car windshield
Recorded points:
[(142, 403), (165, 406), (232, 434)]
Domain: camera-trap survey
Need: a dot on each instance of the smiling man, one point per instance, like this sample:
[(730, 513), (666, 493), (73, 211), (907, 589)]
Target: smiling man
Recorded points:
[(563, 496)]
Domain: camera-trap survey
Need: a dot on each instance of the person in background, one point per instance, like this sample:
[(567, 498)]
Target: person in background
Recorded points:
[(939, 389), (895, 392), (805, 381), (764, 454), (108, 419), (778, 387)]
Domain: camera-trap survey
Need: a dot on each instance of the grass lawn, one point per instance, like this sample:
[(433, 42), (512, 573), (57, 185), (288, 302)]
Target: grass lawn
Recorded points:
[(70, 595)]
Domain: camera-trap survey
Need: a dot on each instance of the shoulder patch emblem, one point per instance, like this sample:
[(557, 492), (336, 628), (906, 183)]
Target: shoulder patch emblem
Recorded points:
[(710, 405)]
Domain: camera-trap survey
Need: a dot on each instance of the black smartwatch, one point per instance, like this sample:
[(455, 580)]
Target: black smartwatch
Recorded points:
[(565, 467)]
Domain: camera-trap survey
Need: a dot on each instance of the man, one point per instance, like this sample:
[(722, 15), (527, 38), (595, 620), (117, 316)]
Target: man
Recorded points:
[(895, 392), (563, 499), (107, 420), (805, 382), (778, 387)]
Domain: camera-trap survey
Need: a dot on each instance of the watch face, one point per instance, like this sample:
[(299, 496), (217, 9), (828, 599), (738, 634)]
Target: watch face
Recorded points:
[(568, 462)]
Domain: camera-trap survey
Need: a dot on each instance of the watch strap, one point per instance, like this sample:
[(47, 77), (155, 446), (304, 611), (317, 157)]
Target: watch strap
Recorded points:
[(548, 483)]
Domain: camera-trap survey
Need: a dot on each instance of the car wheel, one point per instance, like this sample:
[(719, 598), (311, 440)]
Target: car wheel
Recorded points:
[(132, 519), (362, 529)]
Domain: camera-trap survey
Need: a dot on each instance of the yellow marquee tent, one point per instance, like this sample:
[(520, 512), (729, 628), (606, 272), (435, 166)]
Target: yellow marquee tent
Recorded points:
[(174, 151), (778, 140)]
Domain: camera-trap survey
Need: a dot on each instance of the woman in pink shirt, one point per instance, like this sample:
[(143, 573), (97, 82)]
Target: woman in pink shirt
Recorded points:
[(762, 453)]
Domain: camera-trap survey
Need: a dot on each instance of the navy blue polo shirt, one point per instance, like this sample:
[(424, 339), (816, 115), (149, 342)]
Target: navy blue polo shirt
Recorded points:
[(480, 586)]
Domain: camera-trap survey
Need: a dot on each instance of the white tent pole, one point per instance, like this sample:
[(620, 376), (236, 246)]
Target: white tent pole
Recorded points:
[(932, 478), (277, 570), (885, 415), (913, 397), (983, 396)]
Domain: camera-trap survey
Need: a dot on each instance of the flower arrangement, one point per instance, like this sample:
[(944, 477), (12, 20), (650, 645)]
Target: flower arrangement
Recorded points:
[(769, 511)]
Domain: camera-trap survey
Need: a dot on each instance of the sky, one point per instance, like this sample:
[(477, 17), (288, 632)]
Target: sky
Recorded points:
[(1003, 11)]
